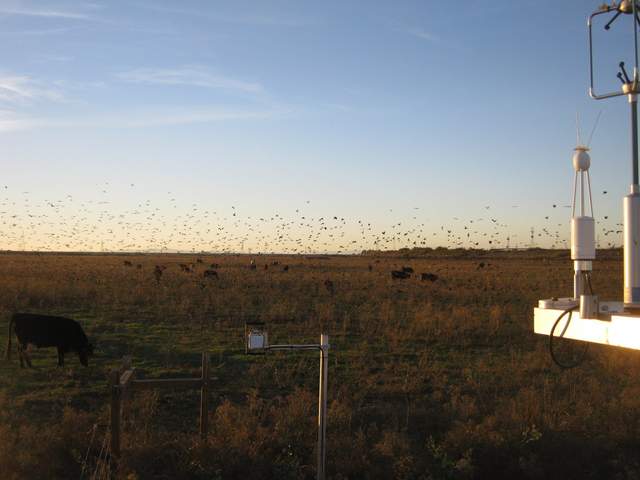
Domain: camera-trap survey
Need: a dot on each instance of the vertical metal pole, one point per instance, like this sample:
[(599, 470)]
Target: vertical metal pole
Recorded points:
[(635, 38), (631, 222), (633, 100), (575, 190), (582, 194), (204, 398), (322, 405), (115, 415)]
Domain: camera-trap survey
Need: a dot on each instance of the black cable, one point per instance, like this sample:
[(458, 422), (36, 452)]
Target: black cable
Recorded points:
[(588, 277), (551, 337)]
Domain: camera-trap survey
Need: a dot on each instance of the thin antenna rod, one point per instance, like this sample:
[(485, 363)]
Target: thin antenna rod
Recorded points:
[(578, 129), (595, 125), (590, 198)]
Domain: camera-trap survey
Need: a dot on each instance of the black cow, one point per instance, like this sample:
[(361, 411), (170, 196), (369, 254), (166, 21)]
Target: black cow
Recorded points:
[(210, 274), (432, 277), (407, 269), (328, 284), (48, 331), (400, 274), (158, 271)]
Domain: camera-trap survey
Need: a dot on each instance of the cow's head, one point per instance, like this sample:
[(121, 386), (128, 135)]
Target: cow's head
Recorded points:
[(85, 353)]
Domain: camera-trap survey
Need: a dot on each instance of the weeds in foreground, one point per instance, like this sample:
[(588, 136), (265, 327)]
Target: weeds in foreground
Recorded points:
[(428, 380)]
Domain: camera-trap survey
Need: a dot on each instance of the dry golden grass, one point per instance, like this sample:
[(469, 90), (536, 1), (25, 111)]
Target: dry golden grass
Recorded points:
[(428, 380)]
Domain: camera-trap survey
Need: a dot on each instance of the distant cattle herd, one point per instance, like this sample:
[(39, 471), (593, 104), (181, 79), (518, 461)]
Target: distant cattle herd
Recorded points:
[(210, 272), (67, 335), (406, 272)]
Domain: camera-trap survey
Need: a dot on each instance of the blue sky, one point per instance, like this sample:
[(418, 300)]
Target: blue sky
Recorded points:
[(123, 123)]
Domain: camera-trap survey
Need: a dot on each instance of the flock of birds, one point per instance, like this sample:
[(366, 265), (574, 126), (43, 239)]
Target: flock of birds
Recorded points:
[(68, 224)]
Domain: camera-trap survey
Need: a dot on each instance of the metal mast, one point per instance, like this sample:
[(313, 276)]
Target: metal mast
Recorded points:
[(631, 203)]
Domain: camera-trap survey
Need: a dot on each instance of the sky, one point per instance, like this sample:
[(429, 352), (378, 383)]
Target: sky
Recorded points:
[(300, 126)]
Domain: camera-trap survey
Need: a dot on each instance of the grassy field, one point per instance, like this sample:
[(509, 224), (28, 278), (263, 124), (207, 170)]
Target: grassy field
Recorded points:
[(427, 380)]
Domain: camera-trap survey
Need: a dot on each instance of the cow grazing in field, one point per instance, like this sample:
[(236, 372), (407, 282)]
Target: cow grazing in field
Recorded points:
[(400, 275), (186, 268), (158, 271), (127, 263), (328, 284), (407, 269), (210, 274), (432, 277), (48, 331)]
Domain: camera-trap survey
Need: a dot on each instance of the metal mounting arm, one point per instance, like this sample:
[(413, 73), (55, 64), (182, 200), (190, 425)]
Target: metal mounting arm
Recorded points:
[(624, 72), (631, 86), (608, 25)]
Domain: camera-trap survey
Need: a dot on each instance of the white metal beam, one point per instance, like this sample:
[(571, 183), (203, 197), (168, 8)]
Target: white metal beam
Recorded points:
[(622, 330)]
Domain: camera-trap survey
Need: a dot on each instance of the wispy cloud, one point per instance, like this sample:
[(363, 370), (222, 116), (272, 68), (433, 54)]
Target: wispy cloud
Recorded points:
[(177, 117), (192, 76), (11, 121), (53, 58), (40, 32), (341, 107), (31, 12), (27, 103), (243, 18), (23, 89), (424, 35)]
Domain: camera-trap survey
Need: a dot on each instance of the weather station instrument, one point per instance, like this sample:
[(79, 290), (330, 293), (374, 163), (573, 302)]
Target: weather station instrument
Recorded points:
[(582, 316), (257, 342)]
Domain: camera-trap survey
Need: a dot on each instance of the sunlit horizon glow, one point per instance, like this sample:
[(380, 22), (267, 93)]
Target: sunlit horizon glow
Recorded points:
[(300, 128)]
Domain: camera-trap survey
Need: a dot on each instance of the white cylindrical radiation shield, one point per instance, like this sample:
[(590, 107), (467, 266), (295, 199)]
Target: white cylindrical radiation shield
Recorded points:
[(631, 212), (583, 238)]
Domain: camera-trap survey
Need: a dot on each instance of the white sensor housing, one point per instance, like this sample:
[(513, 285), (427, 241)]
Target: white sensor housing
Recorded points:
[(583, 238)]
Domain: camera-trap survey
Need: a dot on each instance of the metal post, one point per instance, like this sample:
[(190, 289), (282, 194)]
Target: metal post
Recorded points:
[(204, 398), (322, 405), (633, 100), (631, 222), (115, 415)]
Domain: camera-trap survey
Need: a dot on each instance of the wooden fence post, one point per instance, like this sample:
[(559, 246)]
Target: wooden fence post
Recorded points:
[(204, 398), (115, 415)]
